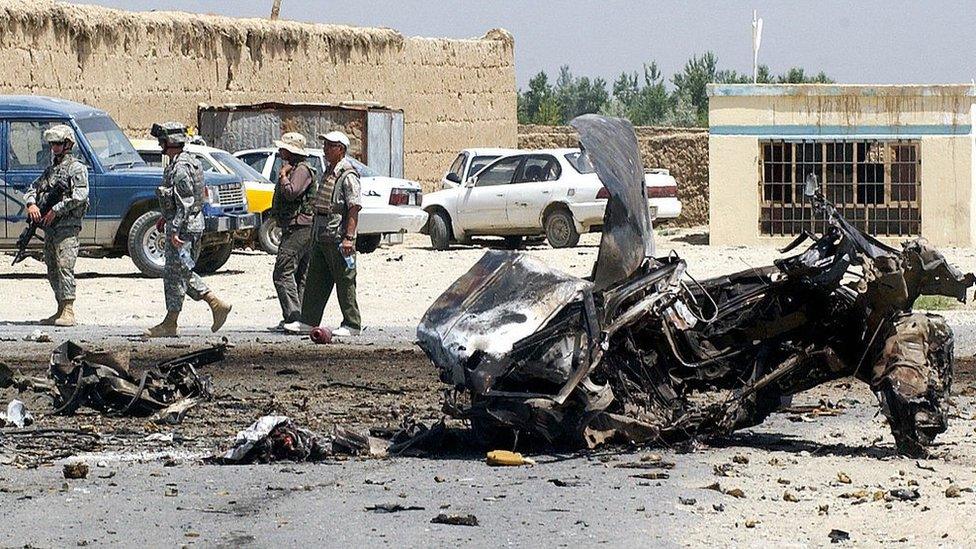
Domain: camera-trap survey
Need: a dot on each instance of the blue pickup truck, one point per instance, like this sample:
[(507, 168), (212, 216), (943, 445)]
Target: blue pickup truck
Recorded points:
[(122, 215)]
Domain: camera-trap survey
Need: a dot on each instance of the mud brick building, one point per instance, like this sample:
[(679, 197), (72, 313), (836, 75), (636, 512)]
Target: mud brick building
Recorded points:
[(147, 67), (897, 160)]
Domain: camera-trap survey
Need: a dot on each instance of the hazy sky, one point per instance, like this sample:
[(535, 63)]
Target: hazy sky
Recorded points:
[(893, 41)]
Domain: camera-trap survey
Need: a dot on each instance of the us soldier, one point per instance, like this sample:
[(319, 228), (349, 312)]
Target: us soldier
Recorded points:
[(333, 256), (181, 201), (292, 209), (62, 222)]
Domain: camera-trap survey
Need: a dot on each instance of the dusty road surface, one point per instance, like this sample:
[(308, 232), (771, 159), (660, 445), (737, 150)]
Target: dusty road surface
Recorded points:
[(828, 463)]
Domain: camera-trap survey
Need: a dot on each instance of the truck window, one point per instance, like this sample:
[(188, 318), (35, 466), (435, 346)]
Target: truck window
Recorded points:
[(458, 165), (27, 149), (255, 160), (108, 142)]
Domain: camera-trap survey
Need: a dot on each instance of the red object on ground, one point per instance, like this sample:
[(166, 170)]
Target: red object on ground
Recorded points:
[(321, 335)]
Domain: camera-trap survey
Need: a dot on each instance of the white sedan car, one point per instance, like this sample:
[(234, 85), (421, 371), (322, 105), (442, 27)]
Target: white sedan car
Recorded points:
[(391, 206), (554, 192)]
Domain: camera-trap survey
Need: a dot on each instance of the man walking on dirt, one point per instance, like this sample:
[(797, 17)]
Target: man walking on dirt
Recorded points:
[(292, 210), (181, 201), (333, 253), (62, 222)]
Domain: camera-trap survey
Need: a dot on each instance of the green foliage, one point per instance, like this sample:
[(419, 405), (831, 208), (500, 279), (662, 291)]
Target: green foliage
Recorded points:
[(643, 99)]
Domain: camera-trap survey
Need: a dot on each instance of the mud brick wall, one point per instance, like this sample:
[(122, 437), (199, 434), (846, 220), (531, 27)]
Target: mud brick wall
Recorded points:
[(149, 67), (683, 151)]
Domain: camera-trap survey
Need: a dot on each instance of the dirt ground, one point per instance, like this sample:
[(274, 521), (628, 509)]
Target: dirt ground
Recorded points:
[(395, 284), (832, 453)]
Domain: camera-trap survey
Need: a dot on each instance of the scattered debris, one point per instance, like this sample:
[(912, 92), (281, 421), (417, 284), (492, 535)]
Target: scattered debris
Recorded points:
[(455, 520), (751, 523), (273, 438), (501, 458), (16, 415), (843, 478), (720, 507), (645, 465), (38, 336), (392, 508), (75, 470), (790, 496), (904, 494), (734, 492), (953, 491), (641, 353), (742, 460), (103, 381), (837, 536), (566, 483), (171, 491), (651, 476), (687, 501)]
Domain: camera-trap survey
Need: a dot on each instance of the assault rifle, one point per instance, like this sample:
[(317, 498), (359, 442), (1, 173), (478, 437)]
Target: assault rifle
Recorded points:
[(46, 201)]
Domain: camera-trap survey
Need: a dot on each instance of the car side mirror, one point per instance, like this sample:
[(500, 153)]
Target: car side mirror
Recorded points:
[(810, 185), (454, 178), (471, 182)]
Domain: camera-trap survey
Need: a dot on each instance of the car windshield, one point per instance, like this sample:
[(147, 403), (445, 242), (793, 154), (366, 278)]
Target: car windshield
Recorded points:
[(580, 161), (109, 144), (237, 167), (363, 169)]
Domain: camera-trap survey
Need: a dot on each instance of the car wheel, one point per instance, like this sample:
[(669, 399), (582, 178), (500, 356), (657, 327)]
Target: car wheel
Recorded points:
[(513, 242), (560, 230), (212, 259), (440, 230), (269, 235), (367, 243), (147, 244)]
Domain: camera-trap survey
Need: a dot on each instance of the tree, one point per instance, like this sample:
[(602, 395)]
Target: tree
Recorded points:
[(690, 84), (796, 75), (579, 95), (530, 102)]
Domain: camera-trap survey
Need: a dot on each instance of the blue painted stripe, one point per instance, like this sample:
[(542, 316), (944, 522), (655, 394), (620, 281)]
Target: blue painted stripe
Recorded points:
[(843, 131), (838, 90)]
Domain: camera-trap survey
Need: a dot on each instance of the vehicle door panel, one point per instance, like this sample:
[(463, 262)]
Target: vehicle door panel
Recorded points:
[(532, 191), (482, 206)]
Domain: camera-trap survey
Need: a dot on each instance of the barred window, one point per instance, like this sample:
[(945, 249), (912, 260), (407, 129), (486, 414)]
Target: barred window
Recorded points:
[(875, 185)]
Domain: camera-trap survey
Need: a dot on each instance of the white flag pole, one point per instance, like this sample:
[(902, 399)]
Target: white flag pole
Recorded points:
[(757, 25)]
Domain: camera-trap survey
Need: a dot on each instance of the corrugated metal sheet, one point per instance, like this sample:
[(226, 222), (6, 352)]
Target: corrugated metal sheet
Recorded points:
[(375, 133)]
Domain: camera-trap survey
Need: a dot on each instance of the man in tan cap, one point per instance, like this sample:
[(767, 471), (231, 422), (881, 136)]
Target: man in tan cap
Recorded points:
[(333, 257), (292, 208)]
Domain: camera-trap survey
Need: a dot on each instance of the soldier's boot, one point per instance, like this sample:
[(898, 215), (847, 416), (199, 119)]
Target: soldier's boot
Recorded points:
[(49, 321), (166, 328), (218, 308), (67, 316)]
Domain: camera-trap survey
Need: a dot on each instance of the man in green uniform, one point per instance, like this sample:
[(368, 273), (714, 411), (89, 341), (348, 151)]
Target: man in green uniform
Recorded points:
[(333, 254)]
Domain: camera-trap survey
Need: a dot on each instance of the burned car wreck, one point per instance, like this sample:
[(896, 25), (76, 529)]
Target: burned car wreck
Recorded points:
[(640, 352)]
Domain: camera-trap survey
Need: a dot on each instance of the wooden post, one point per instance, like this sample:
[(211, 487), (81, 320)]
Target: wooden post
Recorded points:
[(275, 9)]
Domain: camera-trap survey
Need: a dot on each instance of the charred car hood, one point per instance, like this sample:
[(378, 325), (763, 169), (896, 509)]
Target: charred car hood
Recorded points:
[(611, 145), (504, 298)]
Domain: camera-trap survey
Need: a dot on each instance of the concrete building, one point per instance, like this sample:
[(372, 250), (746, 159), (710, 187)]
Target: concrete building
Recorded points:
[(896, 159)]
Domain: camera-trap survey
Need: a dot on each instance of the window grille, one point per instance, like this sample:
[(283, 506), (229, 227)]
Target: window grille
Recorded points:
[(874, 184)]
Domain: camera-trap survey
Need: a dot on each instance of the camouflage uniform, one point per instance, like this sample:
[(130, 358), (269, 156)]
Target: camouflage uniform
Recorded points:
[(61, 237), (338, 191), (181, 201)]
